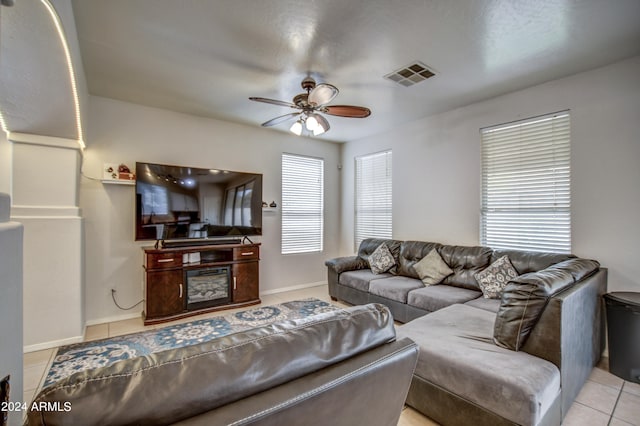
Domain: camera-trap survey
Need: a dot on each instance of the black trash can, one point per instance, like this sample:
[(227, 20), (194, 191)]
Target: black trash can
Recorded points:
[(623, 326)]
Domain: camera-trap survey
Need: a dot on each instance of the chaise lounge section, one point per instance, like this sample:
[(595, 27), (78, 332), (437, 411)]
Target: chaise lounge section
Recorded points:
[(519, 358)]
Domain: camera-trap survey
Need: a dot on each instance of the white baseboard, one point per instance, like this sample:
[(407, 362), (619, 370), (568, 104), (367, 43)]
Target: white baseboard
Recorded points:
[(293, 288), (52, 344), (113, 318), (267, 292)]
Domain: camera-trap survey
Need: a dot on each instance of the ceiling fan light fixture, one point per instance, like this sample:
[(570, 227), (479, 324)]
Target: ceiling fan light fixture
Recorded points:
[(311, 123), (296, 128)]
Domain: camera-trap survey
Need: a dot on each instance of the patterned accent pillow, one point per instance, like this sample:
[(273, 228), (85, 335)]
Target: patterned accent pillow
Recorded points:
[(495, 277), (381, 260), (432, 269)]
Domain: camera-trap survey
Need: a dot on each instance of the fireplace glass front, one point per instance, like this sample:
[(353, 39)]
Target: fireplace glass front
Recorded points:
[(208, 287)]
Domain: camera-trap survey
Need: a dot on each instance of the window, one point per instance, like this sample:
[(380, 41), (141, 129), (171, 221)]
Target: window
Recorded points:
[(373, 197), (237, 210), (526, 191), (302, 204), (154, 199)]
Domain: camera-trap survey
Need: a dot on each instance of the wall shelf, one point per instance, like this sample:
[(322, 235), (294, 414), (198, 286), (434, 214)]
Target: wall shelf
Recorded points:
[(119, 182)]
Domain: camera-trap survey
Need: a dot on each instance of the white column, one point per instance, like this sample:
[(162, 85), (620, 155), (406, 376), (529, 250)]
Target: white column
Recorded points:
[(11, 305), (45, 179)]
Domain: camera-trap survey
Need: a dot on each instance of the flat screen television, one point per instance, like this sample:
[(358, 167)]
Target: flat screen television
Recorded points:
[(177, 203)]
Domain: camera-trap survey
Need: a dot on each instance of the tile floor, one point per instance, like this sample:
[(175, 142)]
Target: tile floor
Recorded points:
[(604, 400)]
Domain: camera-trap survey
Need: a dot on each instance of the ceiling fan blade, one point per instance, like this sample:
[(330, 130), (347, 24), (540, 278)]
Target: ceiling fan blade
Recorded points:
[(323, 125), (323, 94), (275, 102), (280, 119), (347, 111)]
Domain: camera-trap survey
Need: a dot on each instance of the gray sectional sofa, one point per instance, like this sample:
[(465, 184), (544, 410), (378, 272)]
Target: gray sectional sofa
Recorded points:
[(288, 373), (519, 359)]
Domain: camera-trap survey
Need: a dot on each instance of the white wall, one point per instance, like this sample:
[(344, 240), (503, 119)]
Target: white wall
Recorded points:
[(5, 163), (121, 132), (436, 167)]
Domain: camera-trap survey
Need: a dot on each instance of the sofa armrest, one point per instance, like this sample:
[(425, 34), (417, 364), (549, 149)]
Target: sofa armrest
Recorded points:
[(525, 298), (318, 398), (343, 264), (571, 333)]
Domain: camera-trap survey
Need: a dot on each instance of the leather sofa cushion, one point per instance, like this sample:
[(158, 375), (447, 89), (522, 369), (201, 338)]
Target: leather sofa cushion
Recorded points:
[(578, 268), (436, 297), (491, 305), (526, 296), (394, 288), (349, 263), (360, 279), (457, 354), (465, 262), (530, 261), (412, 252), (523, 300), (173, 385)]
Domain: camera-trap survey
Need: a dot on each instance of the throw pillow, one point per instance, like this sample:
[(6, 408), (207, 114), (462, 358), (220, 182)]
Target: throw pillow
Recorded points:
[(432, 269), (381, 260), (495, 277)]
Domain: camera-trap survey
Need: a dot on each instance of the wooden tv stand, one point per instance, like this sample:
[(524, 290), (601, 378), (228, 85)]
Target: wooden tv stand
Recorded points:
[(166, 274)]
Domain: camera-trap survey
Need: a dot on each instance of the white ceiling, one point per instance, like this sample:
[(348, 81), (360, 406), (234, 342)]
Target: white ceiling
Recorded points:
[(207, 57)]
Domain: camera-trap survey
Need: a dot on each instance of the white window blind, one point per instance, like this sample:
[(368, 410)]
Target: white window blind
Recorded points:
[(302, 204), (373, 197), (526, 185)]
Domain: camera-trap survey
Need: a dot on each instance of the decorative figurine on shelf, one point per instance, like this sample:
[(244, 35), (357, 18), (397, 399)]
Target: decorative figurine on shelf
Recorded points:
[(112, 172), (264, 204), (273, 204), (125, 173)]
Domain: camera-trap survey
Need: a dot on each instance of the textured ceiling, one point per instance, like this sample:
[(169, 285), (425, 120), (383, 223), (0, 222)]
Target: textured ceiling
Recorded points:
[(207, 57), (35, 88)]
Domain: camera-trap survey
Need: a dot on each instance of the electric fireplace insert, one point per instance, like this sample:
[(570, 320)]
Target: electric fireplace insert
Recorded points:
[(207, 287)]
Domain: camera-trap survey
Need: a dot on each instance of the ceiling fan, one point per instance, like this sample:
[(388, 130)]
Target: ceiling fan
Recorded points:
[(311, 104)]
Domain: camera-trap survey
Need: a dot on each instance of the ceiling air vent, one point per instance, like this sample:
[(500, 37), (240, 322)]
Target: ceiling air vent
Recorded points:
[(411, 74)]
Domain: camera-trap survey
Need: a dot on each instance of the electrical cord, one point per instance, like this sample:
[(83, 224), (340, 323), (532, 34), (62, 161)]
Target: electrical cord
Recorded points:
[(113, 296), (82, 167)]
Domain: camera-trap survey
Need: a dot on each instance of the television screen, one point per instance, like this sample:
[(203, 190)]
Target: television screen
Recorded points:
[(175, 202)]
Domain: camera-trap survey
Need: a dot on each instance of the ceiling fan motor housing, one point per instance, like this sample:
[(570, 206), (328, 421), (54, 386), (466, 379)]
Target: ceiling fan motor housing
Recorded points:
[(308, 84), (301, 100)]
